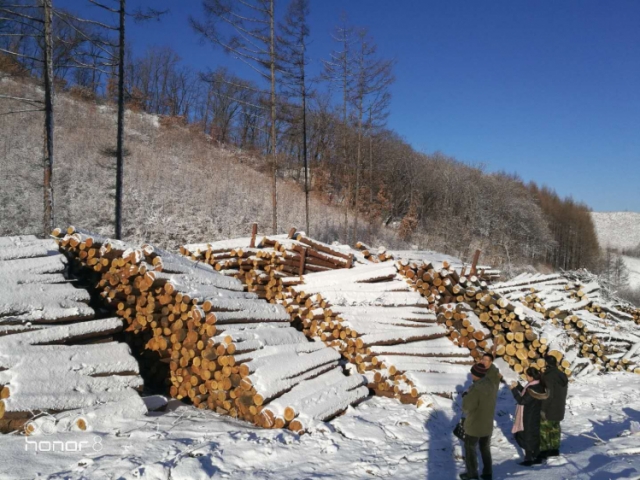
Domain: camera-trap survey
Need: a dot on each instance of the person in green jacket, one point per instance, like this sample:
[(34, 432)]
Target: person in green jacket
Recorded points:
[(478, 406)]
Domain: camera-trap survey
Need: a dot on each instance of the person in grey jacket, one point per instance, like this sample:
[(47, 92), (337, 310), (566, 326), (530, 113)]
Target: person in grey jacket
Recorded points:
[(478, 406)]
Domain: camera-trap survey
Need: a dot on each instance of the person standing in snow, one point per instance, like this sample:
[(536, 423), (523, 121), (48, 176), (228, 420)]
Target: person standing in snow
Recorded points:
[(526, 425), (553, 408), (478, 406)]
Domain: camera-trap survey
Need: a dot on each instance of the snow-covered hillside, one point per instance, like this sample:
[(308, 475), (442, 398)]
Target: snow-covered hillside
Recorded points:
[(617, 230), (633, 267)]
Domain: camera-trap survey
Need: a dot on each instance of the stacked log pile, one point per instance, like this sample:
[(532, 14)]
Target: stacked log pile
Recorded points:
[(630, 310), (270, 264), (599, 336), (371, 316), (227, 349), (380, 255), (51, 348), (348, 309), (360, 307), (478, 318)]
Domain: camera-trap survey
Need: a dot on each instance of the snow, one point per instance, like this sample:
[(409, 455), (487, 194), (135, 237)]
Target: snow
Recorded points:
[(618, 230), (379, 438), (46, 302), (633, 267)]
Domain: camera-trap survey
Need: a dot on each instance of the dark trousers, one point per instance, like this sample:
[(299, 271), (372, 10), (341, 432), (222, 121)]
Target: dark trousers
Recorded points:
[(471, 456), (531, 446)]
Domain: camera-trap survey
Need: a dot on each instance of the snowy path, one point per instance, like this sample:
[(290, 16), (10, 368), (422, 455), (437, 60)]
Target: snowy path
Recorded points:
[(380, 438)]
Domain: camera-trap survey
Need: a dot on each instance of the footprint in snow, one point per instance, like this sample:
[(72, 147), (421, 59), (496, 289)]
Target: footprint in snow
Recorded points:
[(557, 461)]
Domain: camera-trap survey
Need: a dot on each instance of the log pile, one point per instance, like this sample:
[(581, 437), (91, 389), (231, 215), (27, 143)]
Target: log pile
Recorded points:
[(380, 255), (630, 310), (51, 347), (522, 324), (227, 349), (270, 264), (599, 336), (371, 316), (360, 307), (350, 312)]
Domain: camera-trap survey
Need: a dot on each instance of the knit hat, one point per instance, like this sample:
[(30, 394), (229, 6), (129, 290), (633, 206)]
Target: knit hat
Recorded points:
[(479, 370)]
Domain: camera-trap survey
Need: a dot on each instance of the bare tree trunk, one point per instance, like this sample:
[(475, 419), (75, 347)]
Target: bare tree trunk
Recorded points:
[(274, 166), (358, 168), (120, 140), (344, 152), (304, 149), (48, 221), (370, 170)]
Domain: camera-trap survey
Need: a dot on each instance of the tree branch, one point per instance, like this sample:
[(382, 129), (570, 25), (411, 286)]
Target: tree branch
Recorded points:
[(21, 15), (22, 111), (20, 55), (109, 9)]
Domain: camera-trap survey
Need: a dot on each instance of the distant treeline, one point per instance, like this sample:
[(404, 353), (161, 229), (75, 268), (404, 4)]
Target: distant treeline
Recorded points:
[(355, 161)]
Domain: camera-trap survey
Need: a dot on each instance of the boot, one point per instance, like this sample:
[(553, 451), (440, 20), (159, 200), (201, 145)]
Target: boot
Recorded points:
[(465, 476)]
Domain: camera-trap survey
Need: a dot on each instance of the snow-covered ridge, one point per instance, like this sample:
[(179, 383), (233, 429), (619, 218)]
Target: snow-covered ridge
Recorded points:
[(619, 230)]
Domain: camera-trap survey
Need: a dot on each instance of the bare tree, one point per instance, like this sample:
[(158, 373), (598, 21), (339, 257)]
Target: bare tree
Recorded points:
[(373, 77), (293, 53), (114, 54), (252, 41), (36, 22), (338, 70)]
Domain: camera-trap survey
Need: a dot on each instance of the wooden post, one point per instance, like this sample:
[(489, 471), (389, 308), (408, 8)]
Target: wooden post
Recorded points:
[(303, 257), (476, 257), (254, 232)]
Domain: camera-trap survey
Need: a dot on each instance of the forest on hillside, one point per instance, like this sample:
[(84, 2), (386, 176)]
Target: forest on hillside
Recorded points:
[(321, 141)]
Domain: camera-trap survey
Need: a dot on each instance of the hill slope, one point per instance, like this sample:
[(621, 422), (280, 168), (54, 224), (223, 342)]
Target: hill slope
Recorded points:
[(619, 230), (179, 185)]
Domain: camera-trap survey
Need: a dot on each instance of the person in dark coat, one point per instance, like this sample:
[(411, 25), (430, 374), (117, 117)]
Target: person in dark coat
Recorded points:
[(493, 374), (556, 383), (478, 406), (526, 426)]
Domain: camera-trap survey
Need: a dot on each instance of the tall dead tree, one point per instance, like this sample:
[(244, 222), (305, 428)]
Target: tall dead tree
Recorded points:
[(113, 55), (48, 223), (246, 30), (338, 70), (370, 94), (35, 21), (293, 54)]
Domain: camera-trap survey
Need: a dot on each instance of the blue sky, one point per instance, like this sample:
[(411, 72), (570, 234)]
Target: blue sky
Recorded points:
[(549, 90)]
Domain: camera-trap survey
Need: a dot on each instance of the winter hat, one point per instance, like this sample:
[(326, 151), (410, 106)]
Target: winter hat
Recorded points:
[(479, 370)]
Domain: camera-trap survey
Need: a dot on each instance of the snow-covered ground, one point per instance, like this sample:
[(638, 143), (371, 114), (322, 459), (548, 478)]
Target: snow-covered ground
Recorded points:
[(379, 438), (633, 266), (618, 230)]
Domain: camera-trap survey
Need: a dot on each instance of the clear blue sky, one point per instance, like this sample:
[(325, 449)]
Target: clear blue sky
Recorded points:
[(549, 90)]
